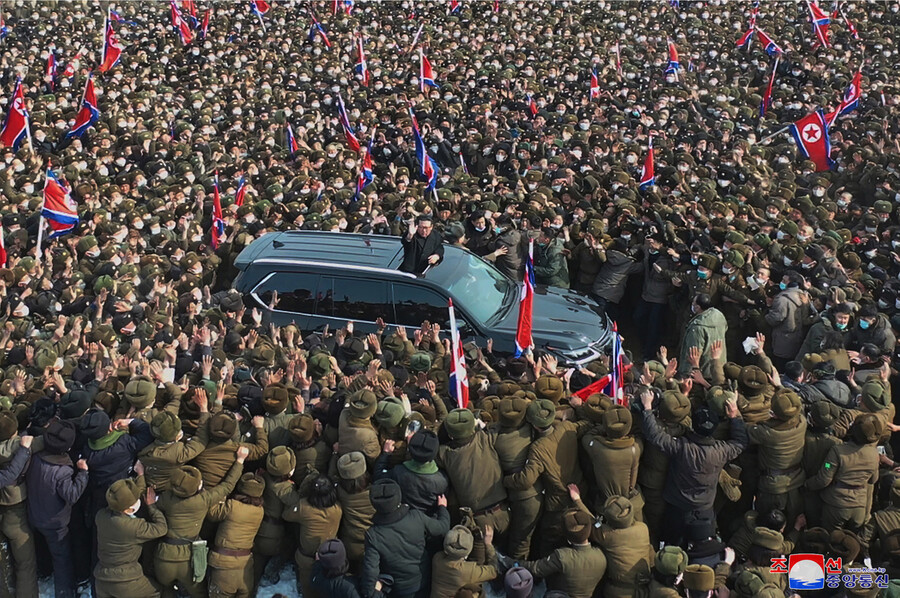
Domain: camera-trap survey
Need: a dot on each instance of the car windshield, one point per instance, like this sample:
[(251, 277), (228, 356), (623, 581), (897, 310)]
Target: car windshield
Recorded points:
[(479, 287)]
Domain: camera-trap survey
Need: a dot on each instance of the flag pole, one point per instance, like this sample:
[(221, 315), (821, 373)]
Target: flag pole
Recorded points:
[(103, 42), (40, 236), (773, 135), (261, 23), (415, 39), (421, 71)]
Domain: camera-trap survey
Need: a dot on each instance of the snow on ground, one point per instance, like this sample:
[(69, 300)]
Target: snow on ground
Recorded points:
[(287, 585)]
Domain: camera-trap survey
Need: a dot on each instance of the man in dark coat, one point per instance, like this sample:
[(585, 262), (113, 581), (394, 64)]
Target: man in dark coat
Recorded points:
[(395, 544), (419, 477), (695, 462), (54, 485), (110, 452), (422, 246)]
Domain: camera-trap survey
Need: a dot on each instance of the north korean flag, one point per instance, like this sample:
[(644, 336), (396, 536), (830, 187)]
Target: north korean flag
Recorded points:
[(811, 135)]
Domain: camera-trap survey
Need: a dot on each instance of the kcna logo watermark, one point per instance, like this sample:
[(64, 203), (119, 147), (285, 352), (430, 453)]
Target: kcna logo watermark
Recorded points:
[(814, 572)]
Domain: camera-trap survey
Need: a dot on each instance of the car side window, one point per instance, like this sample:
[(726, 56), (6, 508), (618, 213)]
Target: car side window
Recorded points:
[(296, 291), (358, 300), (413, 305)]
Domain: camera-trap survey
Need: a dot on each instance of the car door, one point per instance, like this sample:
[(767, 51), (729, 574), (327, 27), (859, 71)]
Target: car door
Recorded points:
[(415, 304), (342, 299), (294, 295)]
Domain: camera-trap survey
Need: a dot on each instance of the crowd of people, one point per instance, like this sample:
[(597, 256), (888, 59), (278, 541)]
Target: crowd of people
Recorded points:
[(158, 436)]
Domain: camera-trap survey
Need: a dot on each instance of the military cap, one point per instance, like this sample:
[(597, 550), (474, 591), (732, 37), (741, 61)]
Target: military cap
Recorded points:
[(674, 407), (541, 413), (281, 461), (165, 426), (123, 494), (617, 421), (875, 395), (186, 481), (251, 485), (618, 512), (352, 465), (302, 428), (671, 560), (460, 424), (699, 578), (549, 387), (363, 404), (458, 542), (786, 405), (866, 429)]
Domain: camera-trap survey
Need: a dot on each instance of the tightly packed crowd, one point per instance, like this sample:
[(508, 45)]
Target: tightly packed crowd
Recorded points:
[(159, 437)]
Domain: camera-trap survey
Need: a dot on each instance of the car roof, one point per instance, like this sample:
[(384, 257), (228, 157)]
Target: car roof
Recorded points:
[(373, 251)]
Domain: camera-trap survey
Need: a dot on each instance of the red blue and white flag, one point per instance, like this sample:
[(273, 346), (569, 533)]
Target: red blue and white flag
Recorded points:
[(15, 126), (754, 14), (190, 8), (362, 68), (69, 71), (850, 102), (426, 73), (459, 378), (241, 192), (59, 209), (673, 65), (532, 105), (811, 135), (218, 222), (117, 18), (292, 145), (3, 255), (595, 86), (349, 133), (455, 6), (524, 338), (767, 96), (746, 40), (820, 23), (853, 32), (259, 7), (89, 114), (316, 29), (50, 71), (205, 26), (182, 28), (615, 388), (366, 172), (349, 5), (768, 44), (112, 49), (428, 167), (648, 178), (4, 30)]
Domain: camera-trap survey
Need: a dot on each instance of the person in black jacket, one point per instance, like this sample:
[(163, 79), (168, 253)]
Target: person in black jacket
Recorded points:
[(422, 246), (695, 462), (419, 477), (54, 485), (110, 452), (395, 544), (329, 573)]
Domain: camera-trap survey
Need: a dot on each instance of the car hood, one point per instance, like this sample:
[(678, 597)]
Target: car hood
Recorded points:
[(561, 319)]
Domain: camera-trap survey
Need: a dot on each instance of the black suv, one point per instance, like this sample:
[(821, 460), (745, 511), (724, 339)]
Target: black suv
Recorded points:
[(327, 278)]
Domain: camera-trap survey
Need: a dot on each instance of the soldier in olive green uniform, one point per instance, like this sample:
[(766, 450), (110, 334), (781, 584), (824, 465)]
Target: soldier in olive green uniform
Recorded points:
[(578, 568), (317, 516), (780, 441), (699, 579), (552, 458), (848, 475), (270, 540), (615, 454), (512, 437), (626, 543), (120, 538), (478, 488), (355, 429), (452, 570), (817, 445), (185, 507), (13, 517), (231, 559), (218, 456), (168, 452), (883, 534), (276, 399), (357, 509), (671, 561)]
